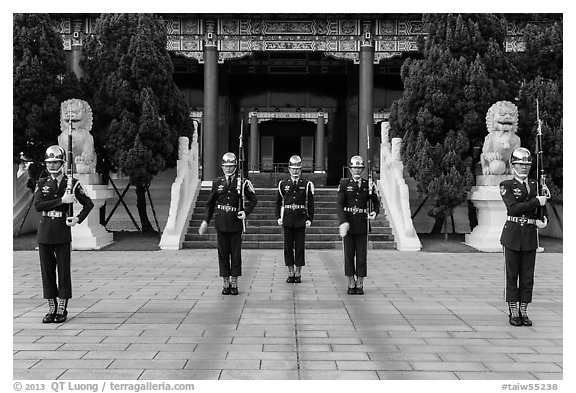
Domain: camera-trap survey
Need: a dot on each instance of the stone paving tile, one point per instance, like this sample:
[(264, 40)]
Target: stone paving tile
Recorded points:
[(24, 364), (136, 340), (527, 367), (149, 364), (416, 375), (188, 375), (38, 374), (37, 346), (259, 374), (373, 365), (99, 374), (99, 354), (507, 376), (171, 355), (75, 363), (169, 320), (49, 355), (548, 376), (339, 375)]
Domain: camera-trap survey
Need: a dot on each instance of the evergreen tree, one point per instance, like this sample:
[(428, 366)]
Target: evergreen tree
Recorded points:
[(542, 71), (40, 83), (142, 112), (441, 115)]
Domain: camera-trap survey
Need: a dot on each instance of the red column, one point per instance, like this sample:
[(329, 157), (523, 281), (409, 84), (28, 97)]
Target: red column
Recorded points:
[(211, 160), (366, 95)]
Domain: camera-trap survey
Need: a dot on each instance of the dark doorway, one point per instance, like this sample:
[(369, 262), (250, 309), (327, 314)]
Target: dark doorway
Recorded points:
[(285, 147)]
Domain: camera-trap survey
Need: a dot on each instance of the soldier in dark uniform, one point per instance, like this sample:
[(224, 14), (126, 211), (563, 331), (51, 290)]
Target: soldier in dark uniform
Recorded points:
[(295, 213), (353, 215), (520, 236), (54, 233), (223, 203)]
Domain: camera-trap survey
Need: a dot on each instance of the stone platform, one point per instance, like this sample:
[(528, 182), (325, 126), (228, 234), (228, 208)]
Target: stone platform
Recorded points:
[(160, 315)]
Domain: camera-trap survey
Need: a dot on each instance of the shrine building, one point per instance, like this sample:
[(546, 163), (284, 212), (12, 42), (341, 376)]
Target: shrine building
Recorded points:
[(315, 85)]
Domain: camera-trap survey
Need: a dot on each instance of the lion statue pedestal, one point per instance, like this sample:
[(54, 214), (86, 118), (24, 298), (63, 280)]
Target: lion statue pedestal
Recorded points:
[(491, 213), (76, 115)]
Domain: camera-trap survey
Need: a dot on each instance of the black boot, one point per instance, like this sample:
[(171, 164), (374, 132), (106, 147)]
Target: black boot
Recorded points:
[(226, 286), (61, 311), (524, 315), (291, 273), (351, 285), (234, 286), (49, 318), (360, 286), (297, 276), (514, 314)]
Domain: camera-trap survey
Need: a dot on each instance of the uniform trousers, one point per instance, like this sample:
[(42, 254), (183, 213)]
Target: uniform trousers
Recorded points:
[(229, 253), (294, 246), (55, 258), (355, 245), (519, 275)]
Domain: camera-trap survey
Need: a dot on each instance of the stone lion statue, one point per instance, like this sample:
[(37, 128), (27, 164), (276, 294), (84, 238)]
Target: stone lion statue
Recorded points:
[(502, 125), (77, 114)]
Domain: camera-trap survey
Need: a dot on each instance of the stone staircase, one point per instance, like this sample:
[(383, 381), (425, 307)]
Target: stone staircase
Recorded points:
[(263, 230)]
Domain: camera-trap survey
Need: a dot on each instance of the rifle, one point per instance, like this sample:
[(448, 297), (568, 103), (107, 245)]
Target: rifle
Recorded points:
[(369, 166), (541, 187), (240, 177), (69, 159)]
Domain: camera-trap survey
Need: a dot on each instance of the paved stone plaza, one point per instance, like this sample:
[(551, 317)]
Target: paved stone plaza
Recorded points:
[(160, 315)]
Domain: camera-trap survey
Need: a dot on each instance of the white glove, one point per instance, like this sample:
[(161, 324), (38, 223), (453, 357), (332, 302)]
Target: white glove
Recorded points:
[(372, 216), (542, 199), (542, 224), (202, 228), (344, 229), (279, 221), (71, 221), (241, 215), (67, 198), (308, 223)]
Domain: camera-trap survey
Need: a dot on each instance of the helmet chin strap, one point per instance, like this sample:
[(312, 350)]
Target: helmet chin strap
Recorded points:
[(518, 175), (56, 171)]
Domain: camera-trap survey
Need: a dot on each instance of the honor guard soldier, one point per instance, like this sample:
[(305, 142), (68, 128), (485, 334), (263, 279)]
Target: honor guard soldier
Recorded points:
[(520, 236), (54, 233), (224, 203), (352, 208), (295, 213)]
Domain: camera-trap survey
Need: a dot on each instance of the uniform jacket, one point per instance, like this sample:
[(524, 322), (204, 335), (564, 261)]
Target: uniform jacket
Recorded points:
[(517, 236), (350, 195), (301, 193), (224, 195), (47, 198)]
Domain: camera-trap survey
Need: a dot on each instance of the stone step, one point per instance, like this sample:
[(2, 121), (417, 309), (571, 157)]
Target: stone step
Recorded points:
[(276, 229), (259, 237), (263, 230), (279, 245), (271, 222)]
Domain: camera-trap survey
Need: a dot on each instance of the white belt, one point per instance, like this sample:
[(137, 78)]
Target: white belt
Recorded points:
[(227, 208), (355, 210), (294, 207), (521, 220), (53, 214)]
